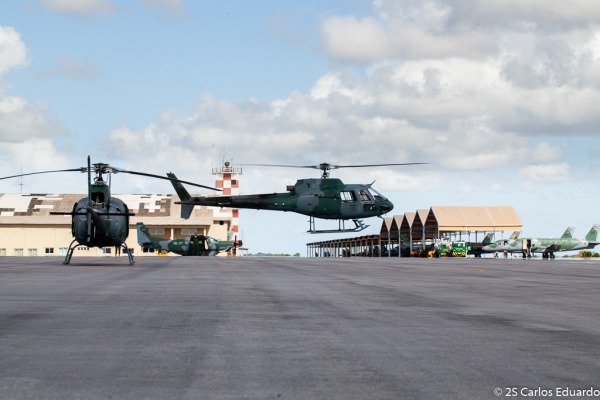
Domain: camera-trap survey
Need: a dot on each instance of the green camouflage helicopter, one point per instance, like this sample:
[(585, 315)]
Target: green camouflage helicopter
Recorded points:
[(325, 198), (100, 220), (197, 245)]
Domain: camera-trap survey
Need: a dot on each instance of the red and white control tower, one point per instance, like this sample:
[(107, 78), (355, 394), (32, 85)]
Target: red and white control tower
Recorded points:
[(227, 180)]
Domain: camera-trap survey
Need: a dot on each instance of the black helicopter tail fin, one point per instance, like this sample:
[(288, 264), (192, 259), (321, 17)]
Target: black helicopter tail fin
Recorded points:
[(186, 209)]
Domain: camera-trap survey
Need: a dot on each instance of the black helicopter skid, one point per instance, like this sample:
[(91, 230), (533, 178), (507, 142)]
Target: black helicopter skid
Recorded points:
[(358, 226), (70, 251), (73, 246), (128, 251)]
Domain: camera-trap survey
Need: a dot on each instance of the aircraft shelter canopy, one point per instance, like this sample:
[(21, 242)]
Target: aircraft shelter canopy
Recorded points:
[(465, 219), (428, 225), (433, 223)]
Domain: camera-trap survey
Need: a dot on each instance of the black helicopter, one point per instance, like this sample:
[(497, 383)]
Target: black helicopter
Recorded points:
[(100, 220), (325, 198)]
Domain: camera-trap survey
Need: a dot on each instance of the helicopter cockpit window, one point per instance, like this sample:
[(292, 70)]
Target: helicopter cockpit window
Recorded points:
[(98, 197), (347, 196), (365, 197), (376, 195)]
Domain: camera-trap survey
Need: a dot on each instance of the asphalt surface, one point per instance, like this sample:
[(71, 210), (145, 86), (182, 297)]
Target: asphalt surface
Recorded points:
[(298, 328)]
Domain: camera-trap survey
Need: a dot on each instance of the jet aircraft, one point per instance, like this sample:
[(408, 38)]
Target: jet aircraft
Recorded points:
[(546, 246), (198, 245), (509, 245)]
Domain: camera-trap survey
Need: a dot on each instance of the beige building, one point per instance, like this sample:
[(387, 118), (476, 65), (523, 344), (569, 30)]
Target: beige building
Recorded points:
[(28, 229)]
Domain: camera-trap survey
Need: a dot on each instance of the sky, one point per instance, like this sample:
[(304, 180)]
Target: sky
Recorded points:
[(500, 98)]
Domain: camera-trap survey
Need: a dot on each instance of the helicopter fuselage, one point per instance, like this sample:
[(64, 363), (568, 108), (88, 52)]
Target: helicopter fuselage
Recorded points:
[(319, 198), (100, 224)]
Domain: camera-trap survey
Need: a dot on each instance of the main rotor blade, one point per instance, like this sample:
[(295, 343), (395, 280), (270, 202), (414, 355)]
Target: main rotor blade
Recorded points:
[(82, 169), (372, 165), (285, 166), (164, 178), (333, 166)]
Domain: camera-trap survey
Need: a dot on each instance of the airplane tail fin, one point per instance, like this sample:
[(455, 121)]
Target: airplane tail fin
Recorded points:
[(592, 235), (186, 209), (514, 236), (143, 235), (488, 238), (568, 233)]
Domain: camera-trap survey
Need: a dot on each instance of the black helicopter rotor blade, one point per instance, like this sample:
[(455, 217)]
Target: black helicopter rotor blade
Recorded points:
[(333, 166), (285, 166), (163, 177), (85, 213), (82, 169), (326, 167)]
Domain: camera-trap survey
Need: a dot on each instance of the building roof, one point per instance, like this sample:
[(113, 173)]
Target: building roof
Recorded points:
[(154, 209), (475, 218)]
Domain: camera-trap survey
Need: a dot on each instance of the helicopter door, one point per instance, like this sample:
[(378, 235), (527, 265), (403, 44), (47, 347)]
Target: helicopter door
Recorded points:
[(348, 207), (367, 200)]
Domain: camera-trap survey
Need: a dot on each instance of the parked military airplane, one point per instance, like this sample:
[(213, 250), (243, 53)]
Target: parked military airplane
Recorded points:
[(546, 246), (197, 245), (326, 198), (509, 245)]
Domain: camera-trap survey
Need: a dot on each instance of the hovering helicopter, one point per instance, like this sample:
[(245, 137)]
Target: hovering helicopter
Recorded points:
[(100, 220), (325, 198)]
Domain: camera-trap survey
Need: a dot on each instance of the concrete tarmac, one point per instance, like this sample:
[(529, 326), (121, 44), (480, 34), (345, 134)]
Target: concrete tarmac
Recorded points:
[(298, 328)]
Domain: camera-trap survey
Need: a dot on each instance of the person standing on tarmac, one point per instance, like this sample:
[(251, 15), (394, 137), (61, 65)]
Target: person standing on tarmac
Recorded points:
[(196, 245), (191, 248)]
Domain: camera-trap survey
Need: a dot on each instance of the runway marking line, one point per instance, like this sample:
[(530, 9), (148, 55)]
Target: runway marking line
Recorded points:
[(473, 269)]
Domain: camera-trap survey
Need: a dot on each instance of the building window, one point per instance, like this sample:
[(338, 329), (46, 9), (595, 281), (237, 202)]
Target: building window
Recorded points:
[(2, 252), (157, 231), (19, 252), (63, 250), (32, 252), (189, 231), (49, 250), (107, 250)]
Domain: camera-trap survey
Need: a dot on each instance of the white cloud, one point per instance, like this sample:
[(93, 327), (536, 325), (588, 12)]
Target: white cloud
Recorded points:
[(84, 8), (84, 71), (13, 52), (174, 7), (368, 39), (35, 155), (548, 173), (19, 120)]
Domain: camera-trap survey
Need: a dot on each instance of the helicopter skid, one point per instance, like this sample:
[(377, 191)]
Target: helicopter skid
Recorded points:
[(70, 251), (72, 248), (359, 226)]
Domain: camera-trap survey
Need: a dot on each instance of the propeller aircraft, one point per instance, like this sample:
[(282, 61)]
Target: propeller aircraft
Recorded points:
[(324, 198), (197, 245), (100, 220)]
